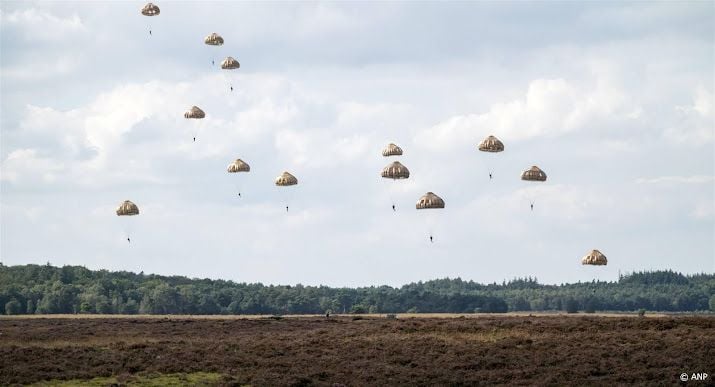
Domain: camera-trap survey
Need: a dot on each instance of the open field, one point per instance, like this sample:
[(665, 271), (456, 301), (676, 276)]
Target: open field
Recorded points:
[(233, 350)]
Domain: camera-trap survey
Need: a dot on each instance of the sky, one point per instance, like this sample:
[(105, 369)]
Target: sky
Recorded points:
[(613, 100)]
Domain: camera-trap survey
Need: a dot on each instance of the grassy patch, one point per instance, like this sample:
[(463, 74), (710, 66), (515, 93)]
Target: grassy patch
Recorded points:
[(150, 380)]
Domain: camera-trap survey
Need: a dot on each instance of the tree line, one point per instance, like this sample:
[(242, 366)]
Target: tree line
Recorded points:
[(46, 289)]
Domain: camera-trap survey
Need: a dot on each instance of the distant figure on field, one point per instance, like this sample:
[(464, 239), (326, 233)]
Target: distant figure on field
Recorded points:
[(327, 314)]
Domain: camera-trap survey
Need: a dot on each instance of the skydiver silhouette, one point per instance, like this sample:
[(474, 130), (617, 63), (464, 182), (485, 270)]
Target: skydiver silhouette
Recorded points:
[(149, 32), (129, 240), (490, 175), (430, 239), (393, 208), (212, 62), (231, 88), (286, 208), (532, 206), (239, 194), (194, 139)]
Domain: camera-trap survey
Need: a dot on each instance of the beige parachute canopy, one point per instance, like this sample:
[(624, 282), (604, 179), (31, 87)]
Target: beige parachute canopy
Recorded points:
[(395, 171), (230, 64), (127, 209), (533, 174), (195, 112), (491, 144), (429, 200), (150, 10), (392, 150), (595, 257), (238, 166), (286, 179), (214, 40)]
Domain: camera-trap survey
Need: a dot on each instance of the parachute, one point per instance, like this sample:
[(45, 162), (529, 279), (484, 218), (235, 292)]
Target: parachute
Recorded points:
[(533, 174), (395, 171), (195, 112), (150, 10), (392, 150), (214, 40), (127, 208), (491, 144), (286, 179), (239, 166), (595, 257), (428, 201), (230, 64)]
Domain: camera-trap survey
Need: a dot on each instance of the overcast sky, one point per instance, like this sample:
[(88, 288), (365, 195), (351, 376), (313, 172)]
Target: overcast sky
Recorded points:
[(613, 100)]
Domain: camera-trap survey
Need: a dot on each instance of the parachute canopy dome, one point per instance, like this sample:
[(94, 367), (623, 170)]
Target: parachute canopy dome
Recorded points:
[(195, 112), (214, 40), (286, 179), (238, 166), (395, 171), (127, 209), (533, 174), (429, 200), (230, 64), (392, 150), (595, 257), (491, 144), (150, 10)]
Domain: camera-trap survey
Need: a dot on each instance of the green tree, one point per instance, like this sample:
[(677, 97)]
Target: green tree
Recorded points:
[(13, 307)]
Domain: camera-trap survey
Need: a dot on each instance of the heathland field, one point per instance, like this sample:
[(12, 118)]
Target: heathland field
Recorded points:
[(356, 350)]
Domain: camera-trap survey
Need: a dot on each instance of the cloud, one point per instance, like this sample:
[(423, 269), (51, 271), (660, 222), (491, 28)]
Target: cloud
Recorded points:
[(39, 24), (550, 107), (26, 165), (697, 179)]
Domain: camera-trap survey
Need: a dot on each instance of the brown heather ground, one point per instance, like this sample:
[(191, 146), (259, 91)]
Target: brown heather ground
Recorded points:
[(372, 351)]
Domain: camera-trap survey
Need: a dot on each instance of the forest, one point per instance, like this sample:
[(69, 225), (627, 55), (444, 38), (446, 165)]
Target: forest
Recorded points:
[(47, 289)]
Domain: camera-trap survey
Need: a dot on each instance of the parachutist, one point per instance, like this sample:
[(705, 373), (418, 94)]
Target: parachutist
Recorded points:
[(129, 240), (393, 208), (212, 63), (239, 194), (194, 139), (430, 239), (231, 88), (490, 176), (149, 32), (532, 206), (286, 208)]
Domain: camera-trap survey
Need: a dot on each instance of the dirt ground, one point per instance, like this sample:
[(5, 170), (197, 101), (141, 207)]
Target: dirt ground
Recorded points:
[(367, 351)]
